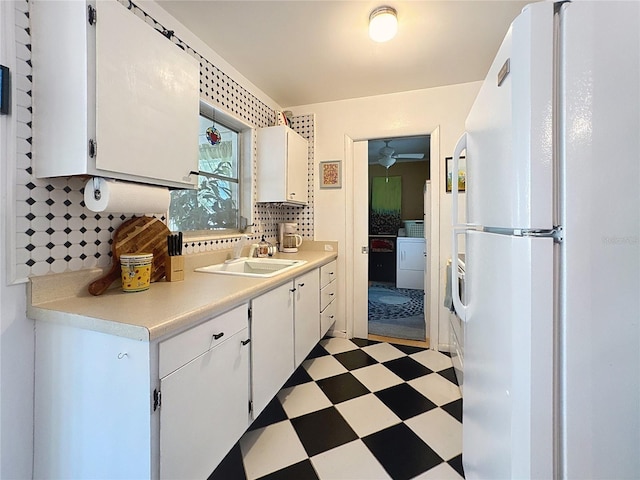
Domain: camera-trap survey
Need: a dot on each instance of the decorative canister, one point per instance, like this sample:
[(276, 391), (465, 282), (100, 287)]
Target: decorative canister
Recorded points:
[(136, 271)]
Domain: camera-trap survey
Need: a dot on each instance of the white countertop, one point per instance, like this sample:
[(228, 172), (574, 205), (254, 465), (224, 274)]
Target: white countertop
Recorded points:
[(167, 307)]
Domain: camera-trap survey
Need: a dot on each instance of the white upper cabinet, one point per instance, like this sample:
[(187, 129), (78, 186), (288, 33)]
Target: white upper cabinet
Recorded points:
[(111, 96), (282, 166)]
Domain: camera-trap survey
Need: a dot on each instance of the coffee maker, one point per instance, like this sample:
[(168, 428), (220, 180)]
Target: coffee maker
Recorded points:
[(288, 238)]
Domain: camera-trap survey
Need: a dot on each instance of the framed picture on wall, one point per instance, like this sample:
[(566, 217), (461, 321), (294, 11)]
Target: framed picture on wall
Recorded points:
[(331, 174), (461, 177)]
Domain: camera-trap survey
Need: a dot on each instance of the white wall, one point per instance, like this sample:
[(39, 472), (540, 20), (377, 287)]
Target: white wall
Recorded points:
[(396, 115), (17, 339)]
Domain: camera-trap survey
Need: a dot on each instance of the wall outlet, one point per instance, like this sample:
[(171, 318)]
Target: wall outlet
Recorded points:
[(328, 248)]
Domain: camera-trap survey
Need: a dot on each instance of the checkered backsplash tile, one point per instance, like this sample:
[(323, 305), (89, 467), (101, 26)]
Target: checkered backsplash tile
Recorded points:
[(54, 232)]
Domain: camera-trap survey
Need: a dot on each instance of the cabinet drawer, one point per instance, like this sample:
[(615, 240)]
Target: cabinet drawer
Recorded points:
[(327, 318), (327, 294), (328, 273), (183, 348)]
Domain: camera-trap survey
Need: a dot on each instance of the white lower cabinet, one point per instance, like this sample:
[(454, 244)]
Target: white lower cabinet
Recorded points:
[(285, 326), (271, 344), (205, 402), (328, 291), (117, 408), (306, 325)]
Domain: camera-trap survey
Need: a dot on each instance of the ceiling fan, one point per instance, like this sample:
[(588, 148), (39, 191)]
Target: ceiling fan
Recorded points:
[(387, 157)]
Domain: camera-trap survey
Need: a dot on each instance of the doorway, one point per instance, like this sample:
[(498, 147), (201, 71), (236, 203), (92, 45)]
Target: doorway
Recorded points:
[(398, 172), (357, 238)]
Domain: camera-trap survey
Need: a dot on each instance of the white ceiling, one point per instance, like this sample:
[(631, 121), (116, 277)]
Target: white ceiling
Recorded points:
[(310, 51)]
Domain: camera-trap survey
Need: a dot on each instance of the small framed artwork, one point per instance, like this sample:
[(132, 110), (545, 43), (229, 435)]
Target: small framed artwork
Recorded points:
[(462, 174), (331, 174)]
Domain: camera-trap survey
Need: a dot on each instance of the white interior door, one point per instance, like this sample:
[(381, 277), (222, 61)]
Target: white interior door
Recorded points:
[(361, 238)]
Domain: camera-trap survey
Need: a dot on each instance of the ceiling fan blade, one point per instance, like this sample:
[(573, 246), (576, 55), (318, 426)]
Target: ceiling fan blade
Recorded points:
[(410, 155)]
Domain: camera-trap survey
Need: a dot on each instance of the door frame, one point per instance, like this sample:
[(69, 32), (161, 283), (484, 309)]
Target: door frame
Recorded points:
[(355, 152)]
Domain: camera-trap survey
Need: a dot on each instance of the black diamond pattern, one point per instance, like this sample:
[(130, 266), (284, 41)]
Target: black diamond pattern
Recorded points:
[(399, 450)]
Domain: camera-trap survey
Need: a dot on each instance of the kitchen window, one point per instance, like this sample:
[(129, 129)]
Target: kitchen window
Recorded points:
[(221, 204)]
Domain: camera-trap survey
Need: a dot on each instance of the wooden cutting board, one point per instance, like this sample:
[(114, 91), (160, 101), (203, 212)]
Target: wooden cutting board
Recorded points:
[(137, 235)]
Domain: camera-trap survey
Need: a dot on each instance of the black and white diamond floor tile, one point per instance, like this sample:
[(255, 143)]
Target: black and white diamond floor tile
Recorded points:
[(357, 409)]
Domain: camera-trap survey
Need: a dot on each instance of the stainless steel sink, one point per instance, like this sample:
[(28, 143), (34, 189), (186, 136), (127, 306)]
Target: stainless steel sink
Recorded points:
[(253, 267)]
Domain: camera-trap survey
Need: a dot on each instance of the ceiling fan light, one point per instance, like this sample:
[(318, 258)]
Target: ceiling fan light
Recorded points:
[(386, 161), (383, 24)]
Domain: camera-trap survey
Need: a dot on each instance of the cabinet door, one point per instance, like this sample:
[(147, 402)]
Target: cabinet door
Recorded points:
[(297, 175), (147, 99), (411, 254), (205, 409), (282, 165), (271, 344), (307, 314)]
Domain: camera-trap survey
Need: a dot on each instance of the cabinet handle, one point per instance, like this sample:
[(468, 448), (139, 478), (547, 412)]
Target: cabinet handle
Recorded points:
[(301, 284), (217, 336), (245, 342), (292, 290)]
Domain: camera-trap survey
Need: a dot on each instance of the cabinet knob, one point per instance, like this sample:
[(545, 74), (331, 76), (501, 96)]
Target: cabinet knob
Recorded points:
[(245, 342), (301, 284), (292, 290), (217, 336)]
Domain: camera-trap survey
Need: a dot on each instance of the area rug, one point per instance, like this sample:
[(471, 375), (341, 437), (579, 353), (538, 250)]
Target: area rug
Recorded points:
[(396, 312)]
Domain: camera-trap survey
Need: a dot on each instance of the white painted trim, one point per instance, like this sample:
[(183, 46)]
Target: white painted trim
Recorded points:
[(434, 248), (8, 129), (349, 236)]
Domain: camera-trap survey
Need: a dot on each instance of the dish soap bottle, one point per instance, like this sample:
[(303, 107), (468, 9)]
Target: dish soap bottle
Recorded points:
[(263, 248)]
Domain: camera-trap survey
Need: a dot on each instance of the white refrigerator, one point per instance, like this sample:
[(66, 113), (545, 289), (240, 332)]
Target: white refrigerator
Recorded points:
[(552, 237)]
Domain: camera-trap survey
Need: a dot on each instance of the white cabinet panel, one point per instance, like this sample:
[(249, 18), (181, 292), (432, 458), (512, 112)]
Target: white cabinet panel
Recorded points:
[(205, 409), (181, 349), (282, 166), (125, 87), (306, 314), (327, 318), (92, 410), (327, 295), (272, 351), (328, 273)]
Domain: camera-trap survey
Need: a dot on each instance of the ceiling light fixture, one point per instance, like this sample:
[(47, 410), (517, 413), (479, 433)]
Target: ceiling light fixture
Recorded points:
[(383, 24), (386, 161)]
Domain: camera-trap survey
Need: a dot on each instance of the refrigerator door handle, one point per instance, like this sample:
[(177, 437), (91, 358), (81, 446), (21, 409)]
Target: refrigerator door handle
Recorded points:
[(460, 308), (460, 146)]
